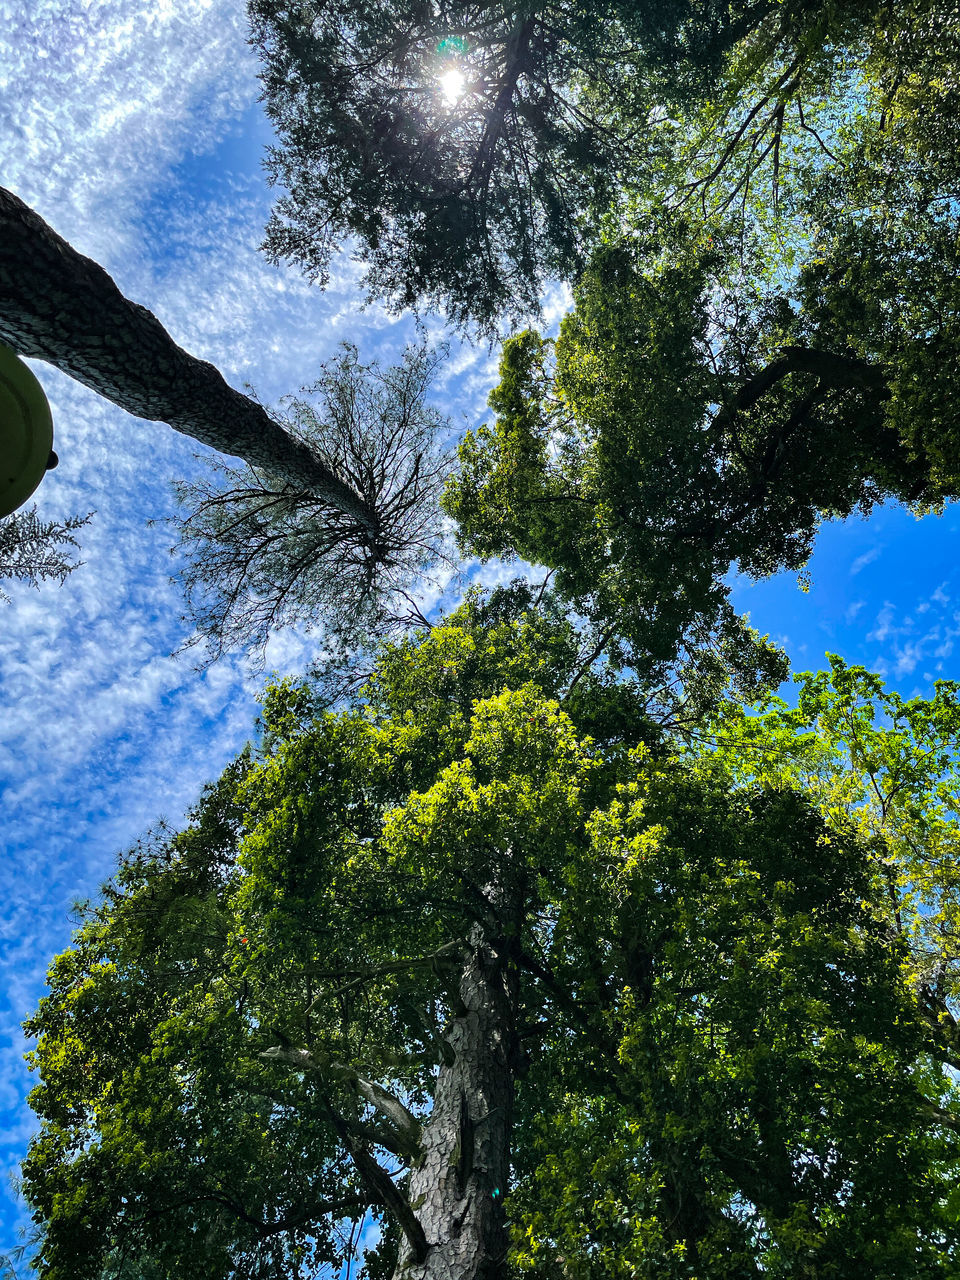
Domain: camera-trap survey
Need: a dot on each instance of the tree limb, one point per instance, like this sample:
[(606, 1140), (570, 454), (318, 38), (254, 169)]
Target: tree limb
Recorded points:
[(406, 1128), (383, 1189), (828, 366), (56, 305), (441, 956)]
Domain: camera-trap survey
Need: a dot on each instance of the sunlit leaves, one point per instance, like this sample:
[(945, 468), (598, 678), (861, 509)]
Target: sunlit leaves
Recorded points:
[(723, 1053), (886, 764)]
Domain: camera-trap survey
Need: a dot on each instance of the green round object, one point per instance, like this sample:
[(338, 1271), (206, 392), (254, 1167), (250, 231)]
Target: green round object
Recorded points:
[(26, 432)]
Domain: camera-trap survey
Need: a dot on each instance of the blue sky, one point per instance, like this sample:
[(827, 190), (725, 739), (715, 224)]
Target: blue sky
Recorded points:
[(134, 130)]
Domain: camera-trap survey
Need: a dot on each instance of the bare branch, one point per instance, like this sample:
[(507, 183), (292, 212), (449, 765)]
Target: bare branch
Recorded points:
[(261, 554)]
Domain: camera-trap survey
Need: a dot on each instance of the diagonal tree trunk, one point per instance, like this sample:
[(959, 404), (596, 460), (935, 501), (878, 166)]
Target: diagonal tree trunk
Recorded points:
[(457, 1188), (56, 305)]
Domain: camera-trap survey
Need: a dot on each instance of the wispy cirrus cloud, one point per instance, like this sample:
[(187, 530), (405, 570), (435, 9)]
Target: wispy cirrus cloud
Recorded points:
[(98, 100), (906, 644), (861, 562), (853, 609)]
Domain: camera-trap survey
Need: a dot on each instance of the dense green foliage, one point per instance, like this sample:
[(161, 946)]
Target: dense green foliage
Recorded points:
[(727, 1062), (659, 440), (889, 765)]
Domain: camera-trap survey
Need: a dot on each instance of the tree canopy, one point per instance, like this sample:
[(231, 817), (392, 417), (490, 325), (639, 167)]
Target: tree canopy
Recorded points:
[(468, 196), (757, 208), (666, 435), (533, 945), (562, 113), (495, 956)]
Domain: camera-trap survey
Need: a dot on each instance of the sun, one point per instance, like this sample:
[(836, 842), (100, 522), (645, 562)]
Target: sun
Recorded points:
[(453, 85)]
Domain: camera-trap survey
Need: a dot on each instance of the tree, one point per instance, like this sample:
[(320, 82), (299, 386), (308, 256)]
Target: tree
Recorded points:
[(258, 557), (32, 549), (468, 192), (473, 195), (356, 494), (491, 943)]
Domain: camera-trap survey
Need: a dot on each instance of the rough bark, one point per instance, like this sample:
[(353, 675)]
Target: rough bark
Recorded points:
[(457, 1188), (56, 305)]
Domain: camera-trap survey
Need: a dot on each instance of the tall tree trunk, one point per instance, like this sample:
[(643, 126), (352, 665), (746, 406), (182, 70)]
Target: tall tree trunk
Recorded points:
[(458, 1188), (56, 305)]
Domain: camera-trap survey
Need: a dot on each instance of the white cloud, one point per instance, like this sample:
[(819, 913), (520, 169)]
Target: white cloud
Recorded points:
[(907, 658), (98, 100), (862, 561), (853, 609), (884, 624), (904, 648)]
